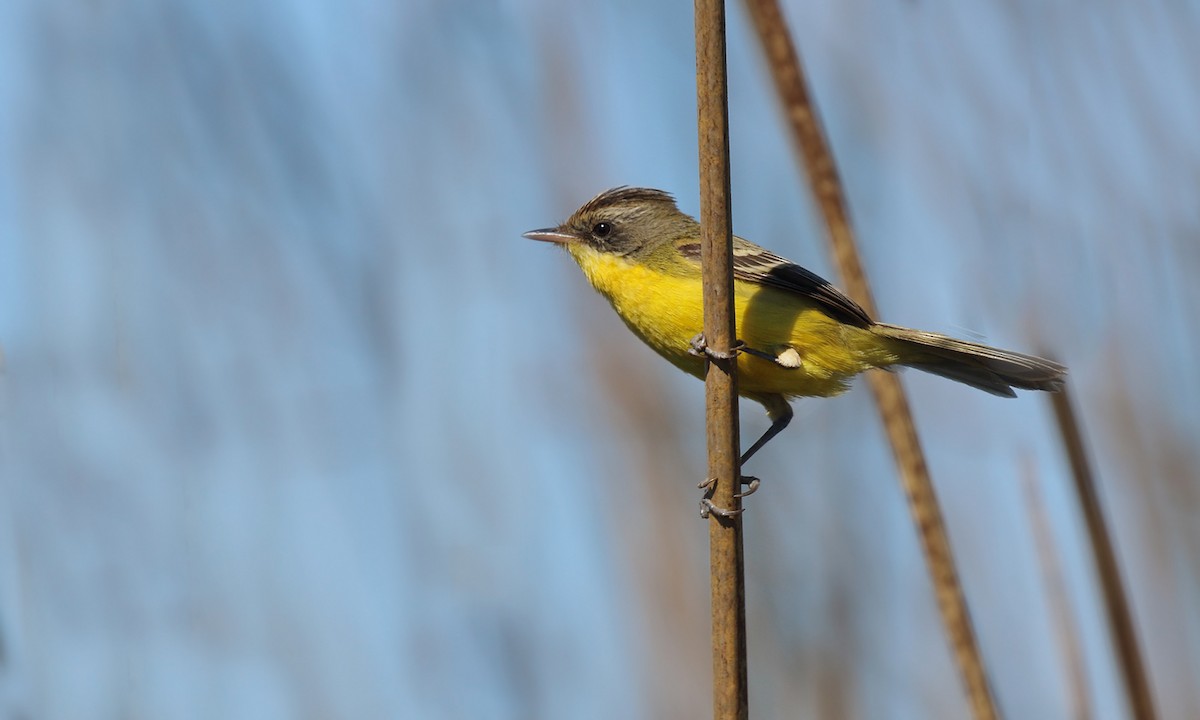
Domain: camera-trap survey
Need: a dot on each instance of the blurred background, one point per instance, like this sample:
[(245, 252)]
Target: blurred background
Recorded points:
[(296, 425)]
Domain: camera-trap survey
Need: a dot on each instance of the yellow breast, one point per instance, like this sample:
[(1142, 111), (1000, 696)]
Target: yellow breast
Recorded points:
[(665, 310)]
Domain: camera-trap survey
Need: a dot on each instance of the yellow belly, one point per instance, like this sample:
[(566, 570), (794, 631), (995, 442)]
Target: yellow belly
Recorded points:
[(665, 310)]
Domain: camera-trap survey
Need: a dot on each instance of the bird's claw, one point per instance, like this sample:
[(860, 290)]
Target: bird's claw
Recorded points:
[(751, 484), (698, 346), (707, 507)]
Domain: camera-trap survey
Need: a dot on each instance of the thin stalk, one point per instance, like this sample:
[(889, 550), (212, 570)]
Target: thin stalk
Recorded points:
[(826, 186), (1056, 593), (1116, 602), (725, 533)]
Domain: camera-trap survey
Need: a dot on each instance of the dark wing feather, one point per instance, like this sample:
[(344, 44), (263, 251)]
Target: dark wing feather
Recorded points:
[(763, 267)]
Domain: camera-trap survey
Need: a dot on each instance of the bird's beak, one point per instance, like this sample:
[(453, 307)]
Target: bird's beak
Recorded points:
[(553, 235)]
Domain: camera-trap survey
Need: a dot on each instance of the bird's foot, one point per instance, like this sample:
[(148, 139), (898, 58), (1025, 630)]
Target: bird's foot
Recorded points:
[(698, 346), (708, 507), (751, 484)]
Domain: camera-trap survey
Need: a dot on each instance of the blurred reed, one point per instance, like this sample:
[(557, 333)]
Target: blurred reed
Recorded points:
[(1049, 558), (824, 181), (1116, 602)]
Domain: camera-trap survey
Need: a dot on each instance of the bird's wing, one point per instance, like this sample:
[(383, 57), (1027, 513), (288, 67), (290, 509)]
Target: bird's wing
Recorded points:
[(762, 267)]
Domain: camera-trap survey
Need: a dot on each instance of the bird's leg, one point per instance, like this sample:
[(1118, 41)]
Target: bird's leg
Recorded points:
[(777, 409), (699, 346), (781, 414)]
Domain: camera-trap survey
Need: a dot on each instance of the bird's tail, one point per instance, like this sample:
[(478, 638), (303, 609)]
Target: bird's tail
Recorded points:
[(987, 368)]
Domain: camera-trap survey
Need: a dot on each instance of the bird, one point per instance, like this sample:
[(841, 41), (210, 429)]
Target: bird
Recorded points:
[(798, 335)]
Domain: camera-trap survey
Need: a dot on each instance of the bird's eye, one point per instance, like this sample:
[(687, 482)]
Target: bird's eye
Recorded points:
[(602, 229)]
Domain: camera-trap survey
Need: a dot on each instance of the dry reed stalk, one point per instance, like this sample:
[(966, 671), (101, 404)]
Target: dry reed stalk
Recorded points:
[(1116, 602), (1056, 591), (893, 406), (730, 694)]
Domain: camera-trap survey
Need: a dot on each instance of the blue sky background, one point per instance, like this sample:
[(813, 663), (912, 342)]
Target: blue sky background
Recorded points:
[(293, 423)]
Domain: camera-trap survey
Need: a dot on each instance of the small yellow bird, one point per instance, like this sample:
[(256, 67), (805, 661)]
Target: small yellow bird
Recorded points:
[(800, 336)]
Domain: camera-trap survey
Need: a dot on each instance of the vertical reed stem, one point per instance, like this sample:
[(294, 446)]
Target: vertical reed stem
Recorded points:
[(725, 534)]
